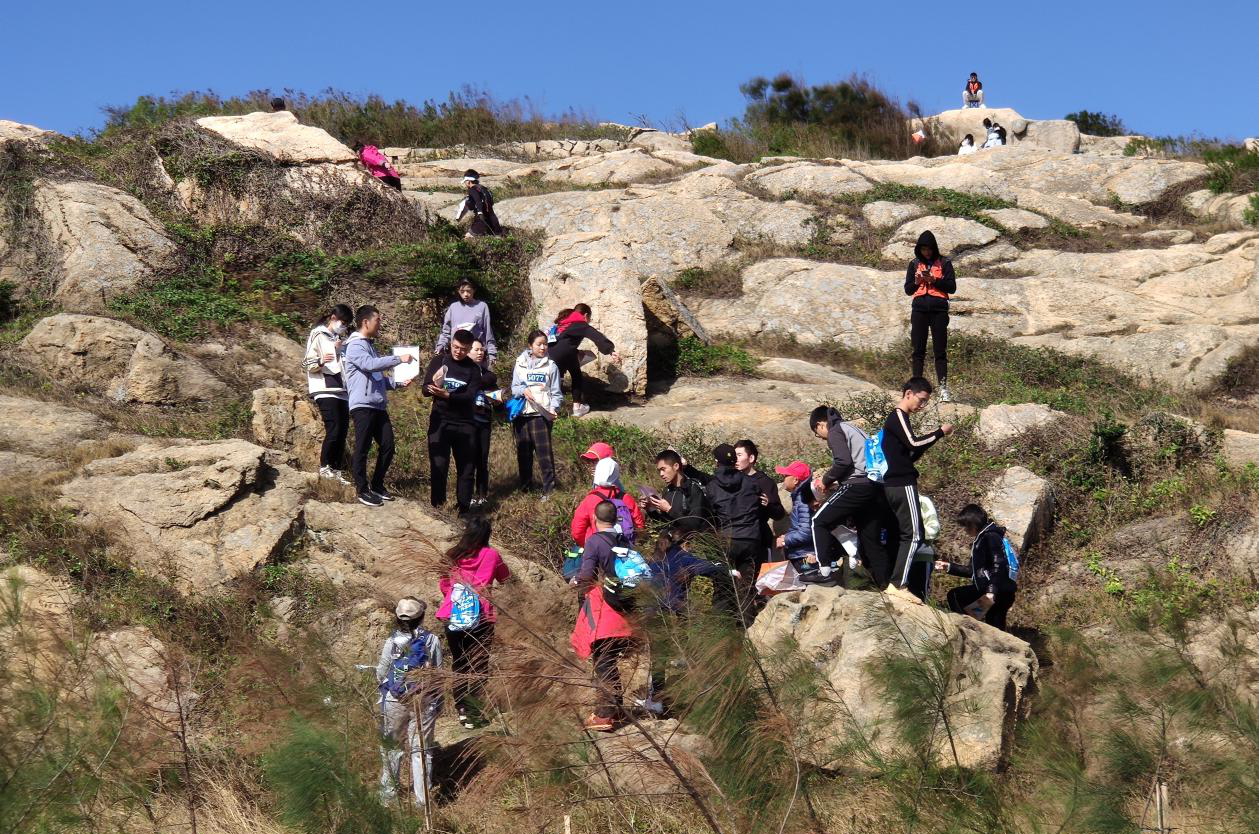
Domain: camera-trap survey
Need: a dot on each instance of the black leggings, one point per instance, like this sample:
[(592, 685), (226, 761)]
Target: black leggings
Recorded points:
[(959, 598), (606, 653), (921, 322), (371, 424), (570, 362), (336, 414), (445, 440), (470, 661)]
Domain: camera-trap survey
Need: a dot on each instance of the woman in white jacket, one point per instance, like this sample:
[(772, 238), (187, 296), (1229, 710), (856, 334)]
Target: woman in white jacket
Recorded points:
[(327, 387), (536, 378)]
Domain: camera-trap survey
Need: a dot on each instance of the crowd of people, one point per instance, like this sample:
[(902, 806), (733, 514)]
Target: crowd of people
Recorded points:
[(861, 523)]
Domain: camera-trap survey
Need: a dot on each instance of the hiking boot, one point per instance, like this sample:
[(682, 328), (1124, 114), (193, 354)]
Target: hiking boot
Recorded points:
[(598, 723), (943, 395), (383, 494), (815, 577), (581, 409), (903, 594), (370, 498)]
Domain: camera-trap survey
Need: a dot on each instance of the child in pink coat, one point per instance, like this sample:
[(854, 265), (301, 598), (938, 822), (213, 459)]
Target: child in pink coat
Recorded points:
[(476, 566)]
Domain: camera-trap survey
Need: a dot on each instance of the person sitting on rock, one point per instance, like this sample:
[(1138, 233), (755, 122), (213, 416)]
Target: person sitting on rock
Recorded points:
[(572, 326), (973, 92), (378, 165), (404, 728), (994, 135), (798, 542), (992, 590), (967, 146), (481, 203)]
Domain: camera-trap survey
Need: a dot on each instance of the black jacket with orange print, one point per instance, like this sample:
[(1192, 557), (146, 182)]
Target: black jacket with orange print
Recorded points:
[(930, 280)]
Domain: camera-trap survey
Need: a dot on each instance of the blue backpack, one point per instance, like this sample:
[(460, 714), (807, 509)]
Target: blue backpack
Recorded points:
[(572, 562), (876, 463), (415, 657), (552, 333), (465, 608), (631, 569), (1012, 559), (514, 408)]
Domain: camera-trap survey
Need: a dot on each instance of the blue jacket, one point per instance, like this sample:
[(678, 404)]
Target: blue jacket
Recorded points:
[(674, 573), (798, 541), (364, 372)]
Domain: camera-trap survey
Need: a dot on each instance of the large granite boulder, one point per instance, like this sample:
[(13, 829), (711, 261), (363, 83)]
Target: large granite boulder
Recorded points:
[(999, 424), (951, 126), (1023, 503), (279, 135), (954, 236), (284, 419), (808, 179), (45, 429), (197, 513), (1230, 209), (116, 359), (631, 759), (849, 635), (103, 241)]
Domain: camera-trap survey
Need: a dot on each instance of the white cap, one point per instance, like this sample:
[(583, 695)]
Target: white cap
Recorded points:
[(409, 608)]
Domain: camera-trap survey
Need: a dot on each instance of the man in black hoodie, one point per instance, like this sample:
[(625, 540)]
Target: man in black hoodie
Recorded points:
[(481, 203), (454, 381), (736, 504), (930, 280), (746, 454), (682, 501)]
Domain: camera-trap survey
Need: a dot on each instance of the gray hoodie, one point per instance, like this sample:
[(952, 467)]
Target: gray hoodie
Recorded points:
[(364, 372), (475, 318), (848, 450), (530, 371)]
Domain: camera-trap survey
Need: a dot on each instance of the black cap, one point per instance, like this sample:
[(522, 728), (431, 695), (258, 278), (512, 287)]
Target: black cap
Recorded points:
[(724, 454)]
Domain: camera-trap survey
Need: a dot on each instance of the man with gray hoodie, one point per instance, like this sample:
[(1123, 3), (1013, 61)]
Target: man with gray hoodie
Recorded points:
[(846, 492), (364, 371)]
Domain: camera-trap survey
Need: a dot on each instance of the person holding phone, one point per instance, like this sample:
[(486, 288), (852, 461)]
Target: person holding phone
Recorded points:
[(453, 380), (681, 503)]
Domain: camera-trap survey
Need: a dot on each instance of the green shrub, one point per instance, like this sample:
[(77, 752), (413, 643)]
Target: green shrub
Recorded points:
[(710, 143), (695, 358), (1098, 124), (186, 306), (1232, 168)]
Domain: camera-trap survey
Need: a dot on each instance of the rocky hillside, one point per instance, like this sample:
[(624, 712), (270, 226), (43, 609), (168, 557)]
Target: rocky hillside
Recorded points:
[(186, 602)]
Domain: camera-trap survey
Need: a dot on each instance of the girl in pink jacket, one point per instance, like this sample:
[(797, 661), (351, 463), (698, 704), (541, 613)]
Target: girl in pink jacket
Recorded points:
[(473, 567), (378, 165)]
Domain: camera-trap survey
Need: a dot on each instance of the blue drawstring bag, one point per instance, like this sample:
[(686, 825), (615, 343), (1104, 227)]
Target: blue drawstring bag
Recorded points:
[(514, 407)]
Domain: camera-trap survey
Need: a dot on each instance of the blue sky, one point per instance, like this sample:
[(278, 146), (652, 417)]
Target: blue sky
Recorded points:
[(1165, 67)]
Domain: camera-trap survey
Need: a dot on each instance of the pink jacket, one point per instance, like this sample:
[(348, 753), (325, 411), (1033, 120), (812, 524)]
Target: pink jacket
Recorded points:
[(377, 163), (478, 571)]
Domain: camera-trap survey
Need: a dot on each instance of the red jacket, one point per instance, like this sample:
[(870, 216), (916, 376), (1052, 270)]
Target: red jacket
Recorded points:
[(583, 525), (596, 620)]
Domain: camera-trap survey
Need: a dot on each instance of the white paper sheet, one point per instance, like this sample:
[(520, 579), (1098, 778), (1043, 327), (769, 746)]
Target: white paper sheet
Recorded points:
[(407, 371)]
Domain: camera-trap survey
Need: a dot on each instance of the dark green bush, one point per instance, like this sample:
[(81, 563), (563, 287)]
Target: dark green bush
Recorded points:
[(695, 358), (710, 143), (1232, 168), (1098, 124)]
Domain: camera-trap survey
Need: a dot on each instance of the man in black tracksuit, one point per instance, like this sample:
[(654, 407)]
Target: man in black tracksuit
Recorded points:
[(746, 454), (454, 381), (481, 202), (736, 504), (846, 492), (930, 281), (902, 447)]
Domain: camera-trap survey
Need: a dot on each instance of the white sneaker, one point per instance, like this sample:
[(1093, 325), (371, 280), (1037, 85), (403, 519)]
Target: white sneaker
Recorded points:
[(942, 394), (328, 473), (581, 409)]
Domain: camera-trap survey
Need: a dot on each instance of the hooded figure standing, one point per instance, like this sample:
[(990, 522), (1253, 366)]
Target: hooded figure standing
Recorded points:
[(481, 203), (930, 281)]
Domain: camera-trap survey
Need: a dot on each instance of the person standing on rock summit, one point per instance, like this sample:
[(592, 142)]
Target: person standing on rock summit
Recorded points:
[(367, 384), (326, 385), (930, 281), (572, 326)]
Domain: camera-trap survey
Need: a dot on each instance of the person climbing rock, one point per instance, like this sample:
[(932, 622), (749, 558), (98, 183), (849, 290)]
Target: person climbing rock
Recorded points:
[(930, 280), (481, 203), (571, 327), (378, 165)]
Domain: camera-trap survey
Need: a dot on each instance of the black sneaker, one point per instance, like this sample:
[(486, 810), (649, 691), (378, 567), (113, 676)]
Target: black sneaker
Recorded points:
[(382, 494), (815, 577), (370, 498)]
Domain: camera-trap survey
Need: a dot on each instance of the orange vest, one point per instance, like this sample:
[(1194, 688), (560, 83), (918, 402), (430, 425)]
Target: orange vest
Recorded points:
[(932, 274), (973, 86)]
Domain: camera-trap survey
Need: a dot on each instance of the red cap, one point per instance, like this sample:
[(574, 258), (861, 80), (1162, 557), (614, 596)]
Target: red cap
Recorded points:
[(798, 469), (598, 451)]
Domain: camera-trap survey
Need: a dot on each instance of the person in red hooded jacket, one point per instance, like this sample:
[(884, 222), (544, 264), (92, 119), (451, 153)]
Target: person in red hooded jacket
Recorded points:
[(572, 326), (607, 476)]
